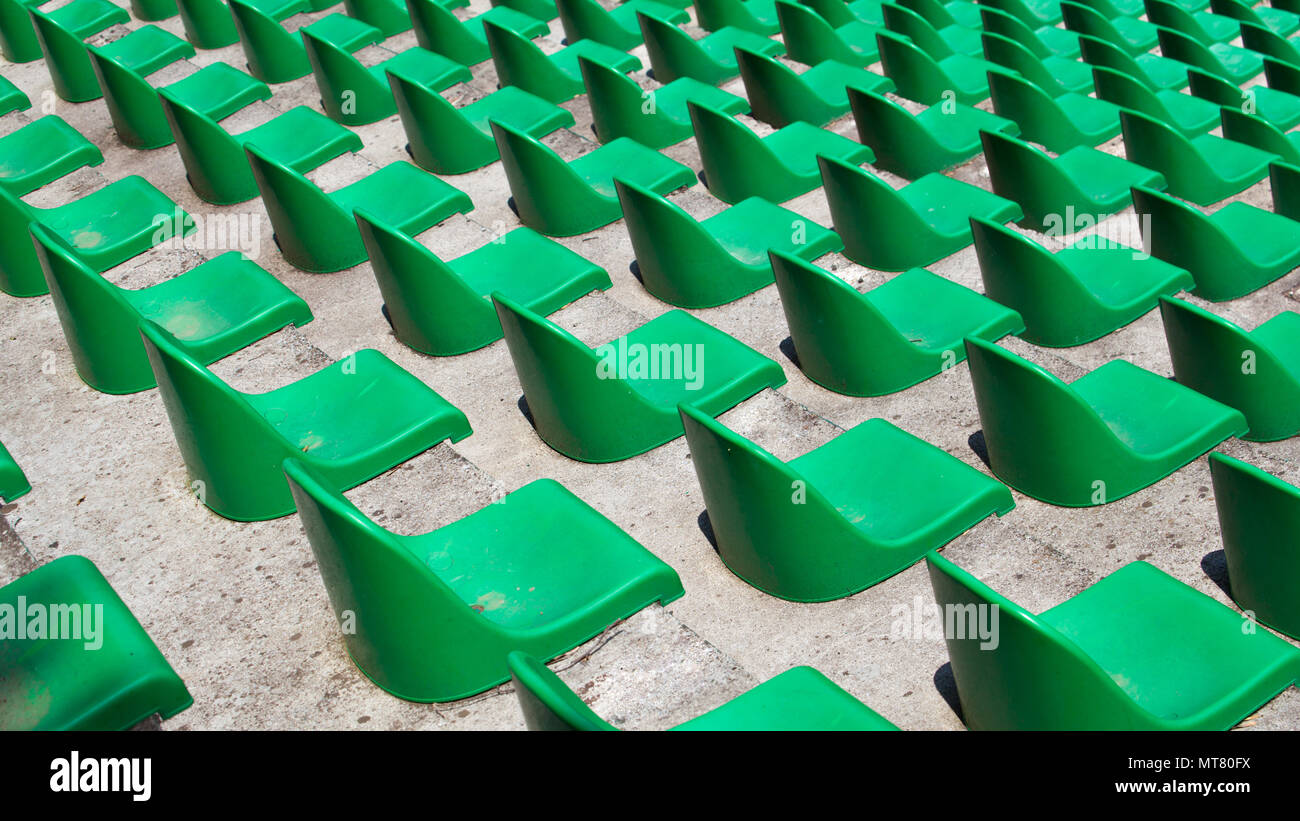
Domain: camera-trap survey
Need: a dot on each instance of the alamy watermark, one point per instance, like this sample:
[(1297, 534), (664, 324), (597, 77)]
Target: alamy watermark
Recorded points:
[(34, 621), (657, 360), (927, 620), (236, 231)]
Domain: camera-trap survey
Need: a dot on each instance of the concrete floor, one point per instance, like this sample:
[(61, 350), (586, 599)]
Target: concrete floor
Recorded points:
[(239, 609)]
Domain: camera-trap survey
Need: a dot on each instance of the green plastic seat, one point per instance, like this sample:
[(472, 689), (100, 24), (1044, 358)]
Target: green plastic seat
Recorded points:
[(215, 91), (738, 164), (277, 56), (936, 42), (105, 228), (437, 613), (810, 40), (800, 699), (1257, 372), (655, 118), (913, 145), (1060, 123), (354, 94), (1269, 44), (923, 79), (888, 339), (1230, 62), (1133, 36), (1279, 108), (350, 421), (839, 12), (441, 308), (315, 230), (449, 140), (389, 16), (556, 77), (757, 16), (780, 97), (1270, 18), (673, 54), (892, 229), (1055, 75), (1138, 650), (1154, 71), (1082, 179), (18, 41), (1189, 115), (12, 97), (1230, 253), (620, 399), (540, 9), (1258, 519), (1203, 169), (1204, 26), (208, 23), (706, 263), (850, 528), (61, 34), (941, 14), (214, 159), (41, 152), (1043, 41), (440, 31), (1031, 12), (213, 310), (13, 482), (563, 199), (1110, 433), (1076, 295), (588, 20), (111, 681), (1261, 134)]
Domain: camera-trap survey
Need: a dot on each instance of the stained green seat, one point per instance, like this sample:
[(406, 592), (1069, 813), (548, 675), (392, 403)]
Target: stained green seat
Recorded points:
[(354, 94), (588, 20), (1110, 433), (895, 229), (923, 79), (554, 77), (214, 159), (562, 199), (738, 164), (810, 40), (13, 482), (1043, 41), (315, 230), (673, 54), (111, 676), (1270, 18), (848, 528), (449, 140), (106, 228), (1258, 518), (1132, 36), (213, 310), (1152, 70), (620, 399), (277, 56), (1030, 12), (1259, 133), (1189, 115), (817, 96), (1060, 123), (208, 23), (41, 152), (936, 42), (1055, 75), (801, 698), (1083, 179), (61, 34), (1076, 295), (351, 421), (912, 145), (655, 118), (437, 613), (710, 262), (1257, 372), (1204, 169), (441, 308), (888, 339), (1235, 250), (757, 16), (1230, 62), (1204, 26), (1138, 650), (1280, 108), (438, 30), (12, 97), (18, 41)]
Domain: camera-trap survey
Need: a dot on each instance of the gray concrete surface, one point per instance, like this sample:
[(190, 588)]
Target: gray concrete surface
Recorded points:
[(240, 611)]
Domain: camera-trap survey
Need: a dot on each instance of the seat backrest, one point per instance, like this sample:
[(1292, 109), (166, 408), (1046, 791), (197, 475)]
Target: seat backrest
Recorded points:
[(866, 210), (214, 160), (1034, 679), (616, 99), (273, 54), (66, 59), (809, 39), (673, 54), (916, 75), (208, 23), (1015, 8), (887, 128), (1236, 10), (296, 206), (1107, 9), (712, 15), (20, 272), (1281, 75), (915, 27), (662, 234), (1174, 16), (1284, 180), (1083, 19), (546, 701), (1249, 129), (349, 92), (835, 12), (132, 102), (1011, 55), (1184, 48), (934, 12), (438, 30), (1217, 90), (1126, 92), (438, 133), (389, 16), (1037, 113), (1022, 173), (547, 192), (519, 61), (1179, 231), (1158, 145), (1013, 28), (587, 20), (773, 89), (726, 144), (1268, 43), (1099, 52)]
